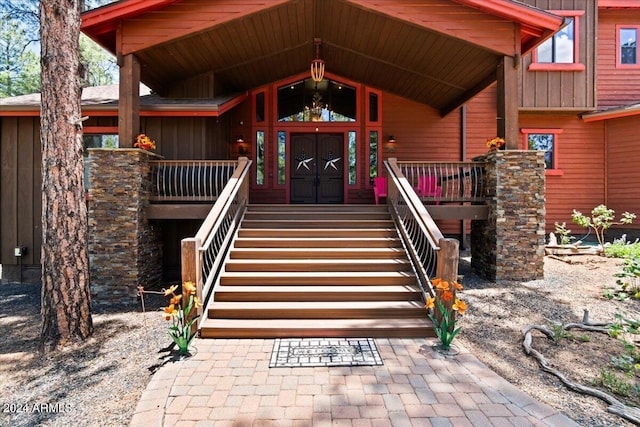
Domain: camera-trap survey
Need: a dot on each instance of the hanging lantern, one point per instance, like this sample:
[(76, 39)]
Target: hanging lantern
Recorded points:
[(317, 65)]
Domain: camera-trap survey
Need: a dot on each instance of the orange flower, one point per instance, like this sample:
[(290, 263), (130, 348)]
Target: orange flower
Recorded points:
[(170, 312), (189, 288), (457, 286), (447, 296), (176, 299), (459, 306), (442, 286), (170, 291), (430, 303), (435, 282)]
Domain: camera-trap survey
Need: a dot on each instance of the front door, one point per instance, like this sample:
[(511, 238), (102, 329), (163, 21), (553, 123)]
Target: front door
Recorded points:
[(317, 168)]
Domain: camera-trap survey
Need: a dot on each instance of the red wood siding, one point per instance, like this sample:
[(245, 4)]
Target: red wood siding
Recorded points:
[(481, 122), (20, 182), (623, 173), (616, 86), (580, 156)]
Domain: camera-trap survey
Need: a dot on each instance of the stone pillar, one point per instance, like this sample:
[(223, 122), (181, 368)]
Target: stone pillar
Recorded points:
[(509, 245), (125, 248)]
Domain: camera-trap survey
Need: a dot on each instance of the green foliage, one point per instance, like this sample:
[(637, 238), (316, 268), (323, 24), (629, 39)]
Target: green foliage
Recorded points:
[(565, 235), (628, 282), (601, 219), (19, 65), (445, 329), (623, 249), (616, 384)]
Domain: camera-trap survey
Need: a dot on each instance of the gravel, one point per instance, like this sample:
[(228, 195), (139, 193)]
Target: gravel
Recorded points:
[(101, 381)]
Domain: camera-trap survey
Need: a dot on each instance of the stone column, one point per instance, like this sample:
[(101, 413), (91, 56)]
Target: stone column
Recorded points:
[(509, 245), (125, 248)]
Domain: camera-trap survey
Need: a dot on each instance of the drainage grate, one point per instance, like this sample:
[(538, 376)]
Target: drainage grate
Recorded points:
[(310, 352)]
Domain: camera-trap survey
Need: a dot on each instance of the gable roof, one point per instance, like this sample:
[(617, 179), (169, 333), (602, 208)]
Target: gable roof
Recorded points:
[(612, 113), (437, 52)]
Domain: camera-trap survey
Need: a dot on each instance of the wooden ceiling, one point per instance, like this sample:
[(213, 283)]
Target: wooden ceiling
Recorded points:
[(383, 46)]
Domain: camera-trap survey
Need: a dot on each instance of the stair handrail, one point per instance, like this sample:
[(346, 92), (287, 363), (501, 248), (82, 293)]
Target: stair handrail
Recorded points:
[(431, 254), (204, 254)]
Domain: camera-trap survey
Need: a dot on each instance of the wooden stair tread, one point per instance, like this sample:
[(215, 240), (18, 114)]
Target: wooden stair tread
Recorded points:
[(274, 328), (317, 253), (317, 293), (317, 265)]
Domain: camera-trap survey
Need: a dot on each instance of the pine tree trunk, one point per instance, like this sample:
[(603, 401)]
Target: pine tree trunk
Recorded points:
[(66, 297)]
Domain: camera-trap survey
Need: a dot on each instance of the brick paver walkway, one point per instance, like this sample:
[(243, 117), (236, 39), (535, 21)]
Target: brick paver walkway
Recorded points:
[(229, 383)]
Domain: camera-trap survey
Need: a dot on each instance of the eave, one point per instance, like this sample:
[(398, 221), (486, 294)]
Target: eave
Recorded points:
[(619, 4), (613, 113)]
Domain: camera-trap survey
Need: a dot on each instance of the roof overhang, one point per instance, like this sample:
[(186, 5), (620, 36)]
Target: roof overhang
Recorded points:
[(103, 101), (619, 4), (612, 113), (440, 53)]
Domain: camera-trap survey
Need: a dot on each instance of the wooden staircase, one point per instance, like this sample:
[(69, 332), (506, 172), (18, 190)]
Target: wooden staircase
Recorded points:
[(316, 271)]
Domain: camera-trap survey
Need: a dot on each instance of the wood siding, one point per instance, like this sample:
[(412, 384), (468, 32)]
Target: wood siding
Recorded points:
[(570, 90), (20, 189), (623, 173), (616, 86), (580, 156)]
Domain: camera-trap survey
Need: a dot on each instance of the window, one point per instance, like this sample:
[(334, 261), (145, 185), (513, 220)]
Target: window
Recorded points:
[(353, 145), (282, 157), (560, 52), (627, 46), (326, 101), (544, 140), (373, 155), (260, 157)]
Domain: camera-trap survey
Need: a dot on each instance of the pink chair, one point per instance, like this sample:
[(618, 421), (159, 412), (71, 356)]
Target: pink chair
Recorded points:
[(428, 187), (379, 188)]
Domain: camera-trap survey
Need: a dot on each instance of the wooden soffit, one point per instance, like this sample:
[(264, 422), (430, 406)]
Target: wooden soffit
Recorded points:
[(437, 52)]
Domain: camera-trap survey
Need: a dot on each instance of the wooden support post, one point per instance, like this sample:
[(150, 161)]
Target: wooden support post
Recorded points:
[(192, 270), (447, 271), (129, 103), (507, 102)]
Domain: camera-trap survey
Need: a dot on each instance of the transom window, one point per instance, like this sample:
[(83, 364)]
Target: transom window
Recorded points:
[(627, 46), (308, 101), (560, 52), (544, 140)]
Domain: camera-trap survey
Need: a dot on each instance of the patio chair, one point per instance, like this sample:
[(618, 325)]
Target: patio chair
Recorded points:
[(379, 188), (428, 188)]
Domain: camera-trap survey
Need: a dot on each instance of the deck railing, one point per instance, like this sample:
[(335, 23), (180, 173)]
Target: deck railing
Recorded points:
[(189, 180), (431, 254), (455, 181), (204, 254)]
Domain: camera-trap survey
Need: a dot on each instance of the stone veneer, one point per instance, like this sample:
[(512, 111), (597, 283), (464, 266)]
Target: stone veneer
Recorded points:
[(510, 244), (125, 248)]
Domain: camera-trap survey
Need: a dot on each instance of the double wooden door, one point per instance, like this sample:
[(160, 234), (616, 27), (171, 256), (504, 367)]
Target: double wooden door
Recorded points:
[(317, 168)]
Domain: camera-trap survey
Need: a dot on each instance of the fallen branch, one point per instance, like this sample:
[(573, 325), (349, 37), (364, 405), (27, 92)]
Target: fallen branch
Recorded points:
[(615, 406)]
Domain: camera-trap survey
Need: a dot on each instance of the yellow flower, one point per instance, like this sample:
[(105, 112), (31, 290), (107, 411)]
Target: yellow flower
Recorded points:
[(176, 299), (430, 302), (189, 288), (496, 142), (459, 306), (170, 291), (457, 286), (197, 302)]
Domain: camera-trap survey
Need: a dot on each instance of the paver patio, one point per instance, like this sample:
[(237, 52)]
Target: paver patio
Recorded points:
[(229, 383)]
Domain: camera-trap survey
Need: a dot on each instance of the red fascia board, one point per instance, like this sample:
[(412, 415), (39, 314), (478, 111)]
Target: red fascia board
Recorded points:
[(106, 16), (522, 14), (616, 114), (630, 4)]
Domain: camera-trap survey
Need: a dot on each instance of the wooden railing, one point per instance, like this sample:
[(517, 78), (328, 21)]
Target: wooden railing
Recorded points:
[(455, 181), (431, 254), (204, 254), (189, 180)]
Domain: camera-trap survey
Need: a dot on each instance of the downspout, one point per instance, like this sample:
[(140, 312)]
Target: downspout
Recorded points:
[(463, 156)]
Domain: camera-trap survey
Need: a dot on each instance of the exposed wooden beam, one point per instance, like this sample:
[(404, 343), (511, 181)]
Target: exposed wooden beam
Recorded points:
[(468, 94)]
